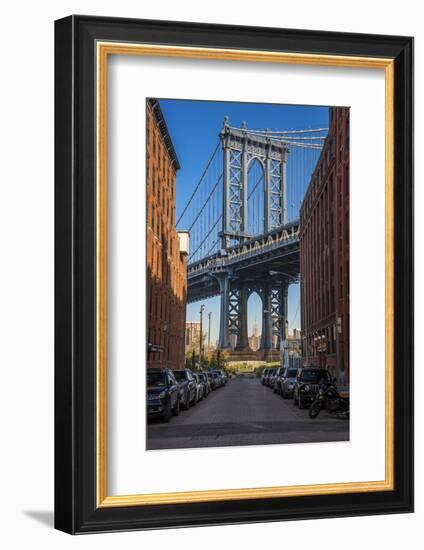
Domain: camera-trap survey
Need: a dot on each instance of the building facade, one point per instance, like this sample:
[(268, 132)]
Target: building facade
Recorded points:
[(192, 335), (166, 249), (297, 334), (294, 344), (254, 338), (324, 254)]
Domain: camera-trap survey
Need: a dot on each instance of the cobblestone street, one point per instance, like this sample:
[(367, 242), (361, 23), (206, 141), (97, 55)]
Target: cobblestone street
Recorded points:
[(244, 412)]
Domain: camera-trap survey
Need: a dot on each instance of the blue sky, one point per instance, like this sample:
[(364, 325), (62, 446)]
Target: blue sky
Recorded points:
[(194, 127)]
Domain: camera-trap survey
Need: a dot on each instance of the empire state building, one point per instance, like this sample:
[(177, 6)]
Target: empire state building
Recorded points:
[(255, 339)]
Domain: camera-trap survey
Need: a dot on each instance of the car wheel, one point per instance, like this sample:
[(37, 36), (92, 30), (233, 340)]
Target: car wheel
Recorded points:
[(176, 409), (295, 399), (168, 413), (194, 402)]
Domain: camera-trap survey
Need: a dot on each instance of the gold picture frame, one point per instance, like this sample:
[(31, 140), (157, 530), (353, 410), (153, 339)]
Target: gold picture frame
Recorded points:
[(106, 49)]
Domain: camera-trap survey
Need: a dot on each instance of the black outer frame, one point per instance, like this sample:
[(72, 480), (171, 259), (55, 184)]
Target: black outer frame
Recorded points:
[(75, 275)]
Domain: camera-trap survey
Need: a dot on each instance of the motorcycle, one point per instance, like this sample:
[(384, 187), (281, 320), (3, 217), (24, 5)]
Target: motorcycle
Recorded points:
[(331, 401)]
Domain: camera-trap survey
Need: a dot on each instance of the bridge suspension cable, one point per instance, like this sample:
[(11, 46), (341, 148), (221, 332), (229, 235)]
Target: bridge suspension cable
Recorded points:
[(285, 132), (199, 183), (301, 164), (295, 314), (305, 145), (203, 241), (204, 205), (295, 137), (203, 211)]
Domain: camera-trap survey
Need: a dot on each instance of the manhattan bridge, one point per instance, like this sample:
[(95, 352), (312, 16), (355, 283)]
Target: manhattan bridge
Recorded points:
[(243, 221)]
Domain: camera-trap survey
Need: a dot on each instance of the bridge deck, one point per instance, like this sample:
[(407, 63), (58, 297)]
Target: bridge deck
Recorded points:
[(250, 261)]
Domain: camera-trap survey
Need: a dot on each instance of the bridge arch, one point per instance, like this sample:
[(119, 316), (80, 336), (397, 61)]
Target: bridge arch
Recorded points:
[(254, 319), (253, 158)]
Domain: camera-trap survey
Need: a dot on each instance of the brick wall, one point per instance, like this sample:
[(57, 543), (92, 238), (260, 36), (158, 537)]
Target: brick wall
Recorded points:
[(324, 253), (166, 267)]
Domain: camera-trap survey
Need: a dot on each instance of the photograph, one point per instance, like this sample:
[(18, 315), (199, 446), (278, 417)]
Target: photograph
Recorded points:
[(247, 259)]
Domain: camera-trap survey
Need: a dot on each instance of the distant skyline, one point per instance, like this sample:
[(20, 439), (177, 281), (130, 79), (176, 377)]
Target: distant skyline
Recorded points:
[(194, 127)]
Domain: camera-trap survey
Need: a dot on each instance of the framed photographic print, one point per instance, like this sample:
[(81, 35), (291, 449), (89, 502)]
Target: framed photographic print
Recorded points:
[(233, 274)]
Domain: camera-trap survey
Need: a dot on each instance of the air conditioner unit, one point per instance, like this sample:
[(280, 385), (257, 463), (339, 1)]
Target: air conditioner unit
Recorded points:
[(184, 238)]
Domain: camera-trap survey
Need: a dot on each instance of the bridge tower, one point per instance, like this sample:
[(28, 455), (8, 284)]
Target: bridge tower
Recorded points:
[(241, 147)]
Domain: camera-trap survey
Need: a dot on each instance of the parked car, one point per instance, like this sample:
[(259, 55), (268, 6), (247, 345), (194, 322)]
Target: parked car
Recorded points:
[(214, 380), (217, 377), (188, 387), (264, 376), (276, 386), (163, 394), (270, 377), (199, 387), (222, 376), (211, 380), (287, 382), (206, 384), (307, 384)]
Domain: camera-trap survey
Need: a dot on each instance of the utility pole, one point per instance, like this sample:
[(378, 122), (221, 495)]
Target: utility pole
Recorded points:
[(209, 330), (202, 309)]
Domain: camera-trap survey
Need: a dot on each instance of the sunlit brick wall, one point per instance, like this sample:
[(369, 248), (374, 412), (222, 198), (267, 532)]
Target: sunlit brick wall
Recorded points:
[(166, 267)]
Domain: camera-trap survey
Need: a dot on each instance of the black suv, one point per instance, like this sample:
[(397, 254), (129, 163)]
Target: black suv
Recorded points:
[(307, 384), (188, 387), (163, 394)]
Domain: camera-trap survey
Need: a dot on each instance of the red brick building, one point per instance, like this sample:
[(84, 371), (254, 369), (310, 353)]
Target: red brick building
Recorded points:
[(166, 261), (324, 254)]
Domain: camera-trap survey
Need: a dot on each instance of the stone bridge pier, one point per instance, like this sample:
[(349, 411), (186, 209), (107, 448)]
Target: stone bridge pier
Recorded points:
[(233, 326)]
